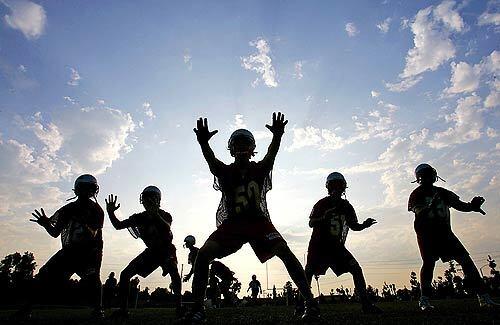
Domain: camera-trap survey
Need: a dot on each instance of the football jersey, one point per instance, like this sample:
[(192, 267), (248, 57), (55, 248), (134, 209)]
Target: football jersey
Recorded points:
[(193, 252), (439, 214), (338, 215), (154, 230), (80, 224), (243, 191), (254, 285)]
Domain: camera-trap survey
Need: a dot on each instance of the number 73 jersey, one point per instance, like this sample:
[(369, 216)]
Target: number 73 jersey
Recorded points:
[(337, 215)]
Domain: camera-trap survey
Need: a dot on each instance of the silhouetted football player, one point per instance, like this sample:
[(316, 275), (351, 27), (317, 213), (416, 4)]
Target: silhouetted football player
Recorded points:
[(256, 288), (331, 218), (153, 227), (242, 216), (80, 225), (431, 205), (189, 243)]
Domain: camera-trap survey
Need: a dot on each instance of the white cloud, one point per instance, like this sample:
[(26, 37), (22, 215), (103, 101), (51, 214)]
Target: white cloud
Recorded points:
[(70, 100), (26, 16), (74, 78), (261, 63), (378, 124), (467, 122), (22, 68), (95, 137), (188, 59), (493, 99), (146, 107), (239, 123), (396, 164), (491, 133), (490, 16), (404, 84), (432, 28), (351, 29), (375, 94), (297, 74), (384, 25), (466, 78)]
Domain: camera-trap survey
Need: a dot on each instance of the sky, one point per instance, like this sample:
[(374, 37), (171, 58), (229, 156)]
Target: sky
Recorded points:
[(370, 89)]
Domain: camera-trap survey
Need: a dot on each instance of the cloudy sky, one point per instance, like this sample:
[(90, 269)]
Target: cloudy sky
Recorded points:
[(370, 88)]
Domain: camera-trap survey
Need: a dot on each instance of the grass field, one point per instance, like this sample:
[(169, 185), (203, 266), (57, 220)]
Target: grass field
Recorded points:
[(448, 312)]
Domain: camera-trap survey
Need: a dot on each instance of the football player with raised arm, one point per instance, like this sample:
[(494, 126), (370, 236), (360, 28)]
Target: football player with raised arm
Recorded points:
[(331, 218), (436, 240), (242, 216), (153, 227), (79, 223)]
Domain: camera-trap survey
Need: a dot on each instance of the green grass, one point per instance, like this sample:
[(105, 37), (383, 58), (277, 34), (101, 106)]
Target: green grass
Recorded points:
[(448, 312)]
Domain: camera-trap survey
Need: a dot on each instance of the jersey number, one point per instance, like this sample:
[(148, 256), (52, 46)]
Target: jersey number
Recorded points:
[(244, 195), (335, 223)]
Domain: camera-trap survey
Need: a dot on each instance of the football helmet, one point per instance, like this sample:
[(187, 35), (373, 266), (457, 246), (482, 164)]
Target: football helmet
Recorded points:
[(241, 141), (423, 169), (189, 241), (151, 192), (86, 184)]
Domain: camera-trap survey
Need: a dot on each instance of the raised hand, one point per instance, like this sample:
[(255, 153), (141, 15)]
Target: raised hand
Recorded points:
[(476, 204), (41, 218), (111, 206), (202, 133), (369, 222), (278, 126)]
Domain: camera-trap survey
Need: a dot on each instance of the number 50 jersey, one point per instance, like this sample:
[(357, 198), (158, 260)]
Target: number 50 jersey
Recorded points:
[(338, 215), (243, 192)]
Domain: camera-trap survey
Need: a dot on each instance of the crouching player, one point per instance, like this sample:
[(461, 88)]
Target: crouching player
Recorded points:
[(242, 216), (153, 227), (431, 205), (331, 219), (80, 225)]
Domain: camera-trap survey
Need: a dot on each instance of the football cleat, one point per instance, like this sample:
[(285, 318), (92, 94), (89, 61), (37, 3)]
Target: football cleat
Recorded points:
[(311, 312), (485, 301), (199, 316), (425, 304)]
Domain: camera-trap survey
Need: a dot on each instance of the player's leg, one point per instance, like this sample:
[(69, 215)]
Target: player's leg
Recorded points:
[(426, 273), (473, 280), (294, 268), (89, 270), (309, 273), (143, 265), (207, 253), (360, 286), (51, 275)]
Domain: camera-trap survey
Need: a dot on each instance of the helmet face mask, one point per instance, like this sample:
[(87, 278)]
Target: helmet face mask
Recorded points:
[(425, 174), (150, 198), (189, 241), (241, 144), (336, 184), (86, 186)]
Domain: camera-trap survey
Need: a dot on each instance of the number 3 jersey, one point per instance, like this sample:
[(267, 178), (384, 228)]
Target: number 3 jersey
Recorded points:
[(338, 215), (243, 191)]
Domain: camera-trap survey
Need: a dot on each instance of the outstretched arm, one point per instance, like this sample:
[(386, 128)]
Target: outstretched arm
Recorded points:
[(473, 205), (277, 128), (188, 276), (204, 135), (361, 226), (41, 218), (111, 207)]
